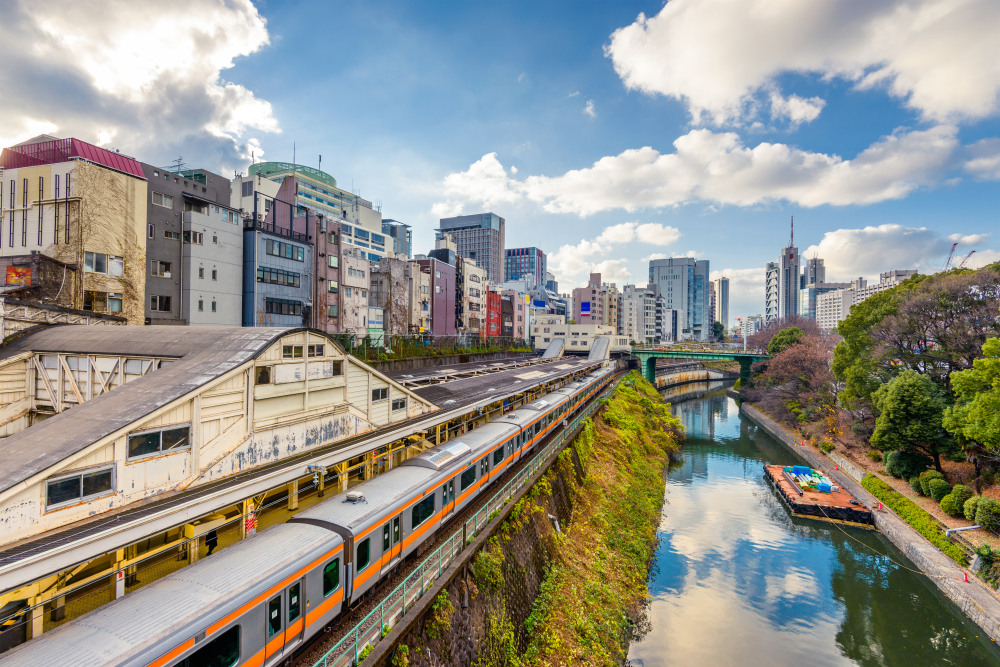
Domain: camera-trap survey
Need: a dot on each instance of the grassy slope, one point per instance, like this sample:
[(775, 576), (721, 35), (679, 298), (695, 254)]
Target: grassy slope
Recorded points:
[(600, 571)]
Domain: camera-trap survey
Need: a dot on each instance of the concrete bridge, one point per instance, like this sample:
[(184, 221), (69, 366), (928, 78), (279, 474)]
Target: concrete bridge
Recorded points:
[(648, 354)]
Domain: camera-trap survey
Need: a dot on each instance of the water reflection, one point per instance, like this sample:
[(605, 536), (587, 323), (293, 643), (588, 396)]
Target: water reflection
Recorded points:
[(738, 581)]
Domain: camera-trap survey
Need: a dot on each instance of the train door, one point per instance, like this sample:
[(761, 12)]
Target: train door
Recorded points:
[(447, 500), (295, 624), (392, 543), (275, 634)]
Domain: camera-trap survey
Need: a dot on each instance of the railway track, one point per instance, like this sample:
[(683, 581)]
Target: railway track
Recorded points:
[(313, 650)]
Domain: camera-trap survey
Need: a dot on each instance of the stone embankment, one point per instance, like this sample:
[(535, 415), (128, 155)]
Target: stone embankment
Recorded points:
[(562, 577), (979, 604)]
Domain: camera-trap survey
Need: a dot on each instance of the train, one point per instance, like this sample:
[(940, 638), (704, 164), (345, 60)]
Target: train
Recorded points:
[(254, 603)]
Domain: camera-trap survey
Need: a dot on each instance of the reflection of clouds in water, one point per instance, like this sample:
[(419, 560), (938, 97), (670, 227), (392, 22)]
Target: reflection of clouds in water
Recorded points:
[(797, 582)]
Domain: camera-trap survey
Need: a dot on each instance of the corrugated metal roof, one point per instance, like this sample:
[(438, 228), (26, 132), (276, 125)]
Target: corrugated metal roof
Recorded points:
[(63, 150)]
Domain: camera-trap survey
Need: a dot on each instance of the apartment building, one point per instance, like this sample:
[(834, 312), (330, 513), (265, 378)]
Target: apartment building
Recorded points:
[(519, 312), (720, 311), (390, 291), (442, 296), (750, 325), (326, 232), (833, 307), (80, 205), (597, 303), (420, 286), (472, 290), (479, 237), (355, 282)]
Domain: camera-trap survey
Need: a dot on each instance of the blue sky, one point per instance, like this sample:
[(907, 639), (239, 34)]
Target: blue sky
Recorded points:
[(875, 125)]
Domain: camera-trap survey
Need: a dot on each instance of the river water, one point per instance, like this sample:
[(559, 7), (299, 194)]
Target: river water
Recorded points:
[(738, 581)]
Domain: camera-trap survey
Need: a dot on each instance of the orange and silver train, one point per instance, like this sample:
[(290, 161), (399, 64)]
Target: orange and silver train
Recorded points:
[(255, 602)]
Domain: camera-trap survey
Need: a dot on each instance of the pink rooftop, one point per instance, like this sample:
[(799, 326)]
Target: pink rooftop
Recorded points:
[(63, 150)]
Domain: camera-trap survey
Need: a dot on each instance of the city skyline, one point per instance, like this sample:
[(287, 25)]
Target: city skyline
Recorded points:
[(589, 149)]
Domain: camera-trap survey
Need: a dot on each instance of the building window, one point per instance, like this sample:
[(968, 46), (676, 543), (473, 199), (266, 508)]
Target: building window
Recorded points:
[(286, 250), (215, 239), (165, 201), (398, 404), (333, 238), (196, 238), (201, 305), (213, 306), (282, 307), (201, 272), (332, 287), (159, 269), (157, 442), (102, 302), (380, 394), (95, 262), (315, 350), (174, 236), (215, 274), (277, 277), (291, 351), (334, 261), (78, 487), (115, 302), (332, 310), (263, 375), (197, 208), (159, 304), (149, 230)]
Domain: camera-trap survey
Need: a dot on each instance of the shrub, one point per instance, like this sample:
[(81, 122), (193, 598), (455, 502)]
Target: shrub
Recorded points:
[(863, 432), (904, 464), (949, 506), (365, 652), (938, 489), (874, 455), (914, 515), (488, 567), (988, 514), (826, 446), (440, 619), (915, 485), (739, 382), (402, 656), (961, 494), (970, 507), (925, 480)]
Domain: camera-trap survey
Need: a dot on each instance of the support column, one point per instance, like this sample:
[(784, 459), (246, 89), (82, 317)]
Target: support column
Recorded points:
[(118, 578), (649, 368), (36, 618), (745, 364), (322, 485), (192, 545), (293, 496)]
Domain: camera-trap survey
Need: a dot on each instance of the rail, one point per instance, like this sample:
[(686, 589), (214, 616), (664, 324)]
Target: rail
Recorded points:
[(393, 607)]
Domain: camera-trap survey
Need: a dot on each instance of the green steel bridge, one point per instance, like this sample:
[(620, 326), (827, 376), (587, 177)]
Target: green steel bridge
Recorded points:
[(648, 354)]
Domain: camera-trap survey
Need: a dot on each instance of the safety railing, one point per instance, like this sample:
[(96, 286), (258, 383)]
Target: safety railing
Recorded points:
[(360, 640)]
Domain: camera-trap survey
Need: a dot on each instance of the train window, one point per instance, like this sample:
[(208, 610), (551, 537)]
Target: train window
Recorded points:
[(423, 510), (538, 427), (385, 538), (497, 456), (331, 577), (468, 477), (294, 603), (484, 467), (364, 554), (223, 651), (274, 616)]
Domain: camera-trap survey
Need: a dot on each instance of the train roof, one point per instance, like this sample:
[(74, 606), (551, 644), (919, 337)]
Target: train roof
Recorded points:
[(120, 632), (381, 492)]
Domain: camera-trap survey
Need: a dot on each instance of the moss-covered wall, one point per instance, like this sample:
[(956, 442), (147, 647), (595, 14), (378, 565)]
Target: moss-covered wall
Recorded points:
[(535, 596)]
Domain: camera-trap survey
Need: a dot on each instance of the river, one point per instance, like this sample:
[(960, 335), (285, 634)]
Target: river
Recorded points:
[(738, 581)]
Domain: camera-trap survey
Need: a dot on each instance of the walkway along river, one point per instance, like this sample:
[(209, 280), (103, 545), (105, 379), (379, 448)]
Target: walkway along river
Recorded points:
[(738, 581)]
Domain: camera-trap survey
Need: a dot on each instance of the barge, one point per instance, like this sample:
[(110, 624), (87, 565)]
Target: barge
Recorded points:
[(810, 495)]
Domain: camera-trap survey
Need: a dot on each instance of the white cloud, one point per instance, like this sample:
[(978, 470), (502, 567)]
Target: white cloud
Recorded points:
[(746, 292), (139, 76), (577, 93), (968, 239), (853, 253), (796, 109), (513, 169), (982, 258), (655, 255), (718, 168), (984, 159), (521, 76), (939, 57), (571, 263), (589, 109)]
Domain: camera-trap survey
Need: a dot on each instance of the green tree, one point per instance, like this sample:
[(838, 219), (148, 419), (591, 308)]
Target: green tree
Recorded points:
[(910, 410), (975, 417), (719, 330), (784, 339), (854, 359)]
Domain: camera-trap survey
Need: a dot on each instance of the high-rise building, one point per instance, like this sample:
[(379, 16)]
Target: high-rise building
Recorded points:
[(711, 300), (813, 272), (479, 237), (771, 292), (721, 290), (809, 294), (788, 282), (401, 235), (750, 325), (643, 316), (525, 261), (683, 282)]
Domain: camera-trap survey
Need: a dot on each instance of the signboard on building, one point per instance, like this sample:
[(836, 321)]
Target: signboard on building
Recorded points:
[(585, 308), (18, 276)]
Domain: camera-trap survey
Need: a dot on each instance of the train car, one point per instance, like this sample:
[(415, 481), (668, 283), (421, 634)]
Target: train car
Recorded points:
[(255, 602), (251, 604)]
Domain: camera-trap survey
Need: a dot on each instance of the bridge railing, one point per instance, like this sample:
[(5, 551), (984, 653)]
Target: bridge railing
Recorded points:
[(685, 348)]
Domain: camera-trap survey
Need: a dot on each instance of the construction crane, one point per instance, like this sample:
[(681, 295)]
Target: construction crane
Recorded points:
[(947, 265), (966, 259)]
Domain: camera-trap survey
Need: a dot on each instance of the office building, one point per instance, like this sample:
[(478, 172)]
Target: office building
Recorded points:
[(194, 247), (771, 292), (401, 235), (683, 282), (813, 272), (479, 237), (597, 303), (525, 261), (750, 325), (886, 280), (79, 204), (832, 307), (721, 311), (550, 283), (809, 294), (637, 319)]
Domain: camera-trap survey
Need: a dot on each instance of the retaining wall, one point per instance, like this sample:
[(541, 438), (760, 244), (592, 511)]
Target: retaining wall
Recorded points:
[(978, 603)]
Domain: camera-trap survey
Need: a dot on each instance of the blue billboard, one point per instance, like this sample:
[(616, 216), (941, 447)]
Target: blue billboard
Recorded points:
[(585, 308)]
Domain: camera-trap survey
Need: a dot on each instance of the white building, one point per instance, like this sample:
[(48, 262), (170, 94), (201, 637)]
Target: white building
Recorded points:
[(721, 289), (833, 307), (750, 325), (771, 292), (577, 337)]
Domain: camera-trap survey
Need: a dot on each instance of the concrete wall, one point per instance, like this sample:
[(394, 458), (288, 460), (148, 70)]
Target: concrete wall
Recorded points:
[(221, 252)]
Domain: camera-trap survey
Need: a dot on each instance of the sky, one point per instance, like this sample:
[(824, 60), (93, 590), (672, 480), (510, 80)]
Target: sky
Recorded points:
[(604, 133)]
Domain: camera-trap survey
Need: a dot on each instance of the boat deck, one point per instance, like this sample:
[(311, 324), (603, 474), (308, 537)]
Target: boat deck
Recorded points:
[(838, 506)]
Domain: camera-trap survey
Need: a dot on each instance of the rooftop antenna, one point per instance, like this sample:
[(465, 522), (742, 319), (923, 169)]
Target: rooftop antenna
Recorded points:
[(321, 163), (792, 243), (177, 165)]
